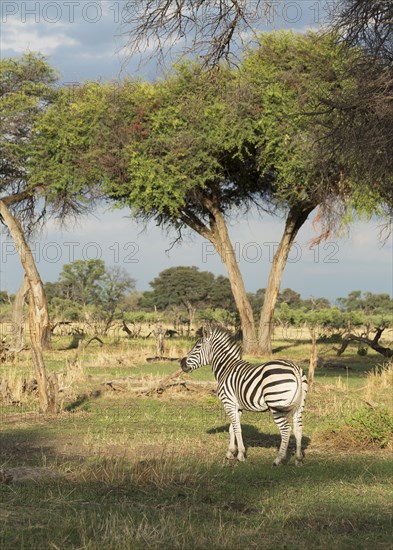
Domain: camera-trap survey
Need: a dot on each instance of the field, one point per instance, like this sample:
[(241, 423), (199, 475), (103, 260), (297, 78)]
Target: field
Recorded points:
[(118, 469)]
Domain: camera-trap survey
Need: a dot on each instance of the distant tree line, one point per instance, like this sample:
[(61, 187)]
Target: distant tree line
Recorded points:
[(89, 292)]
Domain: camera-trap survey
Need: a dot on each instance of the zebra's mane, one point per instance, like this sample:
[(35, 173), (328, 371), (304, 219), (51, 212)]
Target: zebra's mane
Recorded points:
[(229, 337)]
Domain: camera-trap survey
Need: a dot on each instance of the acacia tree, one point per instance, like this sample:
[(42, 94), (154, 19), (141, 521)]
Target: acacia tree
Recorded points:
[(199, 148), (164, 150), (208, 144), (292, 75), (27, 90), (192, 164)]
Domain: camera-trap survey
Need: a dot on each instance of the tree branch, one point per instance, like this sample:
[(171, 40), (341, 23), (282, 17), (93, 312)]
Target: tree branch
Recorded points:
[(386, 352), (207, 28)]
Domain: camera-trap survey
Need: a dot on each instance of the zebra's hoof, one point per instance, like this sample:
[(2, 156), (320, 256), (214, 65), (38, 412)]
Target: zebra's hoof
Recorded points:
[(230, 455), (276, 463), (241, 457), (299, 462)]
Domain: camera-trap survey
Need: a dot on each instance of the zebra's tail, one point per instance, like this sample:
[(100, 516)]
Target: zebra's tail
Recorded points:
[(302, 387)]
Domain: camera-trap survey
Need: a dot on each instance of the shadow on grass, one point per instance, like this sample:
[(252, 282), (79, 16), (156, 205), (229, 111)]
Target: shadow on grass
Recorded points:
[(280, 349), (106, 501), (254, 438), (82, 400)]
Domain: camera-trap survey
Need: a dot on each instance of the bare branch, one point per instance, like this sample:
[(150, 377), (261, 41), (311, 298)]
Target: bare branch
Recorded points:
[(211, 29), (365, 23)]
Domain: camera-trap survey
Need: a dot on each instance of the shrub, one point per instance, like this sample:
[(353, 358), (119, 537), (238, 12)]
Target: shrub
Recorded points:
[(372, 426)]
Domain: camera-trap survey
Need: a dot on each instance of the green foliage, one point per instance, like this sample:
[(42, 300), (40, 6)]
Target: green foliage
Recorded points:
[(256, 299), (26, 88), (181, 285), (68, 142), (65, 309), (141, 317), (294, 77), (81, 281), (88, 290), (221, 296), (188, 288), (189, 130), (219, 315), (367, 302), (232, 136), (332, 318), (289, 297), (372, 426), (165, 149)]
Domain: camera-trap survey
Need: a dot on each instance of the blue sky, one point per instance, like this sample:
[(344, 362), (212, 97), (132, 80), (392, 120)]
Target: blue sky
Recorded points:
[(83, 40)]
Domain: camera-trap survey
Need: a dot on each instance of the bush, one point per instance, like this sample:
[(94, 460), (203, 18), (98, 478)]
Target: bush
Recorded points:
[(372, 426)]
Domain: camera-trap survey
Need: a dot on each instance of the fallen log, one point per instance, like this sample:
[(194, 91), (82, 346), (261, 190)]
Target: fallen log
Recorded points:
[(157, 359), (179, 383), (158, 387)]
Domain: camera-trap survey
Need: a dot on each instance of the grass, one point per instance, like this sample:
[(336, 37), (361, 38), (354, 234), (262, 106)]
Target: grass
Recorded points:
[(119, 471)]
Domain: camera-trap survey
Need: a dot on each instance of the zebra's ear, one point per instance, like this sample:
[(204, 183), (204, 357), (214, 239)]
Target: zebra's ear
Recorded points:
[(207, 330), (204, 331)]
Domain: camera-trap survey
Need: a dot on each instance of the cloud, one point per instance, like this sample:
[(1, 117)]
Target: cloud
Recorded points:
[(19, 37)]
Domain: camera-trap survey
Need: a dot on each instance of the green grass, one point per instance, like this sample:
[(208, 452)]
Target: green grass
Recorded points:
[(124, 472)]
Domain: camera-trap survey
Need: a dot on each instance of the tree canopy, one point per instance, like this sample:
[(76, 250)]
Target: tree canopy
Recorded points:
[(27, 88), (190, 289), (198, 148)]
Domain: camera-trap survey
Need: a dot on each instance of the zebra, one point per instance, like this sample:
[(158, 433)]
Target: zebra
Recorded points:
[(279, 386)]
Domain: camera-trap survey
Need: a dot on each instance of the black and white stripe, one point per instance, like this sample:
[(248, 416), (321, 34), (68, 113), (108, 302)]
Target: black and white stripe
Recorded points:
[(279, 386)]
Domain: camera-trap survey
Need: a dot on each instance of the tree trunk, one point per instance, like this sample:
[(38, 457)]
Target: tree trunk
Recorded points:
[(295, 219), (18, 317), (38, 310), (191, 311), (220, 239), (38, 355)]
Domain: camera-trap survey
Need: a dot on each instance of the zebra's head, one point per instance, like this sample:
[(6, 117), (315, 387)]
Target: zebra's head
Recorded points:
[(213, 341)]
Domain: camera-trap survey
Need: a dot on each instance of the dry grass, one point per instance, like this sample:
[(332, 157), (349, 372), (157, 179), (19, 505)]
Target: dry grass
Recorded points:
[(378, 380)]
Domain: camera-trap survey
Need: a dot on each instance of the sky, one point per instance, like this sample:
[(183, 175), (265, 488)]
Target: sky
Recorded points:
[(83, 40)]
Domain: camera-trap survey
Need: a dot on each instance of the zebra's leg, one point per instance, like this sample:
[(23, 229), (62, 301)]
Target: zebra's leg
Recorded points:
[(281, 420), (297, 424), (231, 452), (298, 429), (236, 430)]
